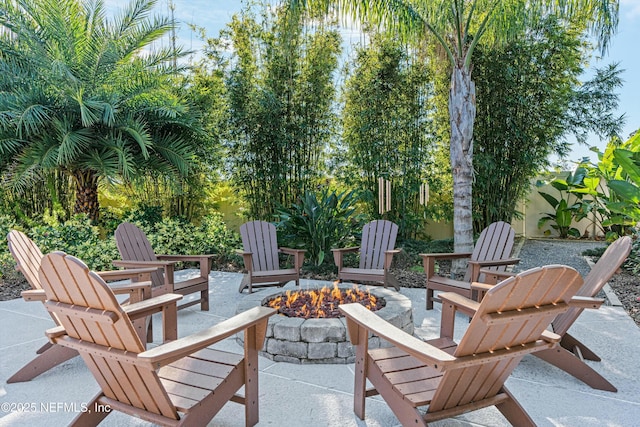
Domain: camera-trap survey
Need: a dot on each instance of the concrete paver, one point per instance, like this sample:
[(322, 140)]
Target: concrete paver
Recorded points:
[(321, 395)]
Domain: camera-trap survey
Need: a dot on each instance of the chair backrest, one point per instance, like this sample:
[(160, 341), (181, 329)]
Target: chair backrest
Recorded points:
[(260, 238), (610, 261), (89, 311), (377, 237), (512, 315), (495, 243), (27, 256), (133, 245)]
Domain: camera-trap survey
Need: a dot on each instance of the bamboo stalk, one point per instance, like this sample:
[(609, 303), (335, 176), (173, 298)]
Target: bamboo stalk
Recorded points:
[(388, 196), (380, 195)]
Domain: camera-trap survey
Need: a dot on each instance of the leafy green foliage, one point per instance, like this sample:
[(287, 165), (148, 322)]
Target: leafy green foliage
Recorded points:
[(566, 206), (280, 97), (627, 183), (76, 237), (78, 96), (529, 100), (319, 222), (613, 200), (179, 236), (387, 129)]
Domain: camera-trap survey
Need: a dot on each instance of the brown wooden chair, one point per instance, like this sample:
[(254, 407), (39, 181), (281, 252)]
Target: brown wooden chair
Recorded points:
[(492, 251), (376, 254), (260, 256), (183, 382), (448, 378), (28, 258), (571, 353), (136, 252)]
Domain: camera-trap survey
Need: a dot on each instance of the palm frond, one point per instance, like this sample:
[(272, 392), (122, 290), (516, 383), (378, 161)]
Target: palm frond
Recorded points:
[(73, 142), (137, 131), (176, 152)]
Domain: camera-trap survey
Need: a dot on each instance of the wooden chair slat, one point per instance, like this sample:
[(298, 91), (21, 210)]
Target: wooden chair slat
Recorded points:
[(508, 323), (378, 237), (134, 246), (260, 255), (494, 244), (188, 391)]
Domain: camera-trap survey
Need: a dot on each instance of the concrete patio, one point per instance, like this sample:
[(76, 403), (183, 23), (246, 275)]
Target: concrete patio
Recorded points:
[(321, 395)]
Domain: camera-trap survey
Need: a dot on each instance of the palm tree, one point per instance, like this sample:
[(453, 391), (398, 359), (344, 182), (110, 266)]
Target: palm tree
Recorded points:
[(458, 26), (88, 96)]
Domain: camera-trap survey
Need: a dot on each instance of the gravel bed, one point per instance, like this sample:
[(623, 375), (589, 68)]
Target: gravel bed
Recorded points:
[(541, 252)]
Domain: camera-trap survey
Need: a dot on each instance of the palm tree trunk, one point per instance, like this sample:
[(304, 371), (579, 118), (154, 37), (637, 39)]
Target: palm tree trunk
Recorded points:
[(462, 114), (86, 193)]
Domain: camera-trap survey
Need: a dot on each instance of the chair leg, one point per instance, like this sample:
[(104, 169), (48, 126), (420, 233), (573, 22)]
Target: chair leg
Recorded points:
[(513, 412), (429, 299), (204, 300), (245, 282), (251, 392), (52, 356), (571, 344), (94, 414), (568, 362)]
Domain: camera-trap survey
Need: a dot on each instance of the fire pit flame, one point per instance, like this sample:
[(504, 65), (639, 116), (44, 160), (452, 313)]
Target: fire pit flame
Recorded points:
[(322, 303)]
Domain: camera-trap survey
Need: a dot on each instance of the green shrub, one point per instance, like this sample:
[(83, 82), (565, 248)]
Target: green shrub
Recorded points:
[(319, 222), (179, 236), (79, 238), (633, 262)]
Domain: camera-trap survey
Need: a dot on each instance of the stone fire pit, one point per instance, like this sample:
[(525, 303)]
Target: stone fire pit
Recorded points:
[(298, 340)]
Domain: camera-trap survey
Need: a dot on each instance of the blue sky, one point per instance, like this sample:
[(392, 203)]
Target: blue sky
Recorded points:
[(624, 48)]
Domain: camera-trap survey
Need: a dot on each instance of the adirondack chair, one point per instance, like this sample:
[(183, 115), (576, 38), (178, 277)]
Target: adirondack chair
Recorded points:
[(136, 252), (183, 382), (260, 256), (28, 258), (570, 355), (376, 254), (492, 251), (455, 378)]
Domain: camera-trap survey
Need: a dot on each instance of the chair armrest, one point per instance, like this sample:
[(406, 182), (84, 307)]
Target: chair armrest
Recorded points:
[(388, 257), (429, 261), (165, 304), (338, 255), (496, 262), (451, 303), (150, 306), (291, 251), (346, 250), (427, 353), (483, 287), (247, 258), (172, 351), (137, 264), (298, 256), (447, 255), (55, 332), (477, 265), (137, 291), (138, 274), (34, 295), (181, 258), (493, 277), (549, 336), (586, 302)]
